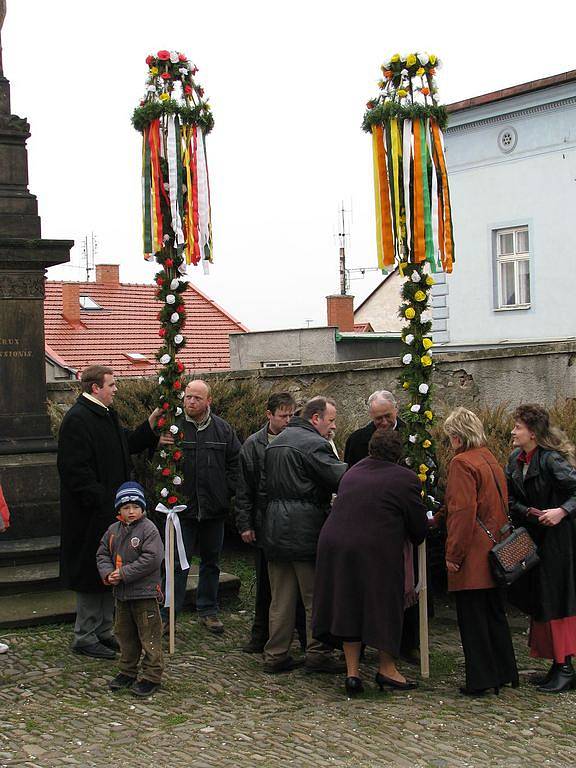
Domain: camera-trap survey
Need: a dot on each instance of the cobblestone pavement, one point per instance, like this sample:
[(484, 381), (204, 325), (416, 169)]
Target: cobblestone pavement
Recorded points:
[(217, 708)]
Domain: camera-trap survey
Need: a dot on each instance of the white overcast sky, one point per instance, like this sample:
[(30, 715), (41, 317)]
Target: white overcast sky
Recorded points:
[(288, 83)]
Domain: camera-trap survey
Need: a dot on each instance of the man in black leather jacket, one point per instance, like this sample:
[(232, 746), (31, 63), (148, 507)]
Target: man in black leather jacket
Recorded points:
[(301, 472)]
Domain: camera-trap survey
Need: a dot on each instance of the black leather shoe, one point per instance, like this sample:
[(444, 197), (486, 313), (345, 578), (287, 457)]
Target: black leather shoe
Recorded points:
[(95, 650), (327, 665), (253, 647), (353, 686), (562, 679), (110, 642), (286, 665), (477, 692), (121, 681), (144, 688), (382, 680)]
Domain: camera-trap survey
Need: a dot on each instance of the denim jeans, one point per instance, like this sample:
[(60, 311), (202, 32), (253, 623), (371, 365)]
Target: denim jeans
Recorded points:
[(204, 537)]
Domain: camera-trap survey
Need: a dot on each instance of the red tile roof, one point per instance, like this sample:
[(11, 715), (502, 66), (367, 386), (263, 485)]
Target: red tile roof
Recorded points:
[(127, 323), (363, 328)]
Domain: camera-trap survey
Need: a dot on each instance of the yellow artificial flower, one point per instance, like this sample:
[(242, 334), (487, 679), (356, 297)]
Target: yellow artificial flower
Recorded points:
[(426, 360), (422, 479), (426, 444), (430, 280), (410, 313), (423, 469), (433, 59), (402, 266), (410, 60), (427, 343), (164, 96), (153, 70), (396, 57), (420, 71), (406, 385), (429, 415), (402, 93), (420, 296), (422, 493)]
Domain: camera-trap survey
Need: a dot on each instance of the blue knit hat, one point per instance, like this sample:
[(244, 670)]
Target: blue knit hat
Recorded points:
[(130, 492)]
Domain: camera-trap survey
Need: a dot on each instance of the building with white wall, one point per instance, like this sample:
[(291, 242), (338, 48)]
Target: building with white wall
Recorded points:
[(511, 159)]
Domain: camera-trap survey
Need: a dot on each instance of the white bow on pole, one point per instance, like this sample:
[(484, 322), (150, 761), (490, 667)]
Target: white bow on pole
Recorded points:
[(172, 516)]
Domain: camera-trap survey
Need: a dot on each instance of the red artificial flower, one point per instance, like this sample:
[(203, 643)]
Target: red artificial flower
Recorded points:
[(142, 103), (165, 406), (177, 384), (162, 332), (172, 499), (194, 70), (181, 57), (370, 104), (150, 60), (165, 472), (180, 309), (177, 455), (161, 421), (168, 263), (187, 90), (164, 55), (166, 76), (180, 367), (159, 281)]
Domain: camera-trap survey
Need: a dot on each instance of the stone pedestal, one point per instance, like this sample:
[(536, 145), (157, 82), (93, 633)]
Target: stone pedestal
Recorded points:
[(27, 449)]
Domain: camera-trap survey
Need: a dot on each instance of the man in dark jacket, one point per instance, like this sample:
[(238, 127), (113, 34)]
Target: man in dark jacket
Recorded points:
[(210, 468), (383, 411), (93, 462), (279, 411), (301, 472)]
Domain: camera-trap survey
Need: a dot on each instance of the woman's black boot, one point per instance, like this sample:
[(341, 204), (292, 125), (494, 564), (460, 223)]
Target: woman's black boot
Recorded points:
[(562, 678), (543, 679), (353, 686)]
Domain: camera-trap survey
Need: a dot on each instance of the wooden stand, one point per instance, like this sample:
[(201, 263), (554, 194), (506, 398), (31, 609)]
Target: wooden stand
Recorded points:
[(423, 611), (172, 606)]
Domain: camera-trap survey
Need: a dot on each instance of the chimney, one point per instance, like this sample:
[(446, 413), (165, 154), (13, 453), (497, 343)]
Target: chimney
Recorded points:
[(71, 303), (340, 310), (108, 274)]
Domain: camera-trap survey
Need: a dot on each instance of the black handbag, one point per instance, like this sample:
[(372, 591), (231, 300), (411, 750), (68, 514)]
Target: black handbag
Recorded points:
[(515, 555)]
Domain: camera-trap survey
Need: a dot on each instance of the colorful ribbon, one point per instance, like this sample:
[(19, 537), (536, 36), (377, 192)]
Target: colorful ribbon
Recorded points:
[(172, 517)]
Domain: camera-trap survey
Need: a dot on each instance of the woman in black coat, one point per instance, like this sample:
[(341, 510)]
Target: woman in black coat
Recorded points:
[(541, 478), (360, 569)]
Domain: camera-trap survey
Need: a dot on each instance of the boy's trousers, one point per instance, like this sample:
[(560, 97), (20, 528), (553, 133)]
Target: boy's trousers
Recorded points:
[(138, 628)]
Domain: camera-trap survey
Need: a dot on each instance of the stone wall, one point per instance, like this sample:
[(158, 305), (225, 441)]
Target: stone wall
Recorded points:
[(532, 373)]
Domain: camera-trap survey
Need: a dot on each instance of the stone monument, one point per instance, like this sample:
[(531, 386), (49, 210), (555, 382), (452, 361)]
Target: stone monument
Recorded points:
[(27, 448)]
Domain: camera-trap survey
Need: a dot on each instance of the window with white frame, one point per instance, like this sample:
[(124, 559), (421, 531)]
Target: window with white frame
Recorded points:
[(513, 268)]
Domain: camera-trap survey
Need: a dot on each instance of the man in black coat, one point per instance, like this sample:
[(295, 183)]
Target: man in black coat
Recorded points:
[(301, 472), (210, 467), (279, 411), (93, 462)]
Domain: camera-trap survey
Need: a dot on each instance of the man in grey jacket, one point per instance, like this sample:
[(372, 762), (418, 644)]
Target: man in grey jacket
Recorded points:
[(301, 472)]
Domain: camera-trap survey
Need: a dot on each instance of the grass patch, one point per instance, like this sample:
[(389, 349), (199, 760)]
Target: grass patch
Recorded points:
[(175, 719)]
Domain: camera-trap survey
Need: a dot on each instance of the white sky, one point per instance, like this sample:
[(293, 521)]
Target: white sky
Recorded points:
[(288, 83)]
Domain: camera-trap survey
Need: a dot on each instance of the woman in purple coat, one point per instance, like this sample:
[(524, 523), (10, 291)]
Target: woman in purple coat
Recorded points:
[(360, 574)]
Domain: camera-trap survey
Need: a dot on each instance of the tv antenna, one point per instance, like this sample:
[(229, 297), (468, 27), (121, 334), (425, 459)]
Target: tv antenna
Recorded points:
[(89, 252)]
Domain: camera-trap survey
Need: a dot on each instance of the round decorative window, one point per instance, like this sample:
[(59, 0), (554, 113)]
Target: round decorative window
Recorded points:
[(507, 139)]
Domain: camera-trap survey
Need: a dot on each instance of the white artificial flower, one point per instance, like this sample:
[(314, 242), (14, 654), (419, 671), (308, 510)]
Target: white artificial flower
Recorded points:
[(151, 89), (163, 454), (165, 359), (170, 299), (166, 238), (415, 408), (387, 64), (415, 277), (178, 411), (174, 429), (160, 379), (412, 438), (408, 461), (423, 58), (178, 339), (407, 359), (174, 317), (174, 284), (174, 57), (164, 492), (431, 478), (409, 338), (404, 72), (183, 70), (181, 395), (423, 389), (159, 467), (177, 480)]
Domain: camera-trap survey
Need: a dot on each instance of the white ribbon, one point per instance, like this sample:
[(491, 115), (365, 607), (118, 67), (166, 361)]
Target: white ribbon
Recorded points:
[(172, 151), (406, 159), (203, 194), (172, 515)]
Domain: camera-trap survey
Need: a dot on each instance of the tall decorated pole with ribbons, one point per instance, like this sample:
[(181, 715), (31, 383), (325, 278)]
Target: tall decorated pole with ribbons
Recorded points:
[(174, 119), (414, 232)]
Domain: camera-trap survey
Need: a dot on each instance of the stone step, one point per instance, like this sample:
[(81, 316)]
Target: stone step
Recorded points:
[(23, 551), (57, 606), (32, 577)]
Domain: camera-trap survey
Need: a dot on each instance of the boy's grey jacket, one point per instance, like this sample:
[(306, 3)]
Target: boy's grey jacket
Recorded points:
[(138, 551)]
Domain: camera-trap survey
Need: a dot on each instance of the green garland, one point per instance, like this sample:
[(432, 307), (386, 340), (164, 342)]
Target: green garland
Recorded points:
[(152, 110), (380, 111)]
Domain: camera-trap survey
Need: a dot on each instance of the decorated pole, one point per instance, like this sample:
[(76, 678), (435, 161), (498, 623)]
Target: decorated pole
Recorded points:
[(414, 232), (174, 119)]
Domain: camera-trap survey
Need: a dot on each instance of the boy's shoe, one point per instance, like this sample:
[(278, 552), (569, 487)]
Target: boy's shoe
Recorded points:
[(3, 647), (95, 650), (144, 688), (212, 624), (121, 681)]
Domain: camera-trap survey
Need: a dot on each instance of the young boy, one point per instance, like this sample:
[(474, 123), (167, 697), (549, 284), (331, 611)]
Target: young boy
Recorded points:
[(129, 558)]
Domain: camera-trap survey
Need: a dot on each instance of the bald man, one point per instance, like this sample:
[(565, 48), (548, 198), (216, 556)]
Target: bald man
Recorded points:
[(210, 471)]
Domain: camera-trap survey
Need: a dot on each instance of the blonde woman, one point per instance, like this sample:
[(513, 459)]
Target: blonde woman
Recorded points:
[(542, 488), (476, 496)]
